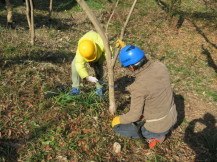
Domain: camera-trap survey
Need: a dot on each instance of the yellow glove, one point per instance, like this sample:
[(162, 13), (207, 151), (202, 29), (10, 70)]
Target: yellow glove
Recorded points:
[(116, 121), (120, 43)]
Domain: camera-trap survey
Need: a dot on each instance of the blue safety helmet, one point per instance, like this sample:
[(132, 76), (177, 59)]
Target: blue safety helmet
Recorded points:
[(130, 55)]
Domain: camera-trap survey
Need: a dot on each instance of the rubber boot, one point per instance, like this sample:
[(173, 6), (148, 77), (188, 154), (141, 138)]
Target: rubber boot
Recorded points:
[(153, 142), (74, 91), (99, 92)]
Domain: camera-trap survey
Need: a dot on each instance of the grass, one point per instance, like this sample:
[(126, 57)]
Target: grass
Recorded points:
[(73, 138), (207, 94), (194, 6), (78, 128)]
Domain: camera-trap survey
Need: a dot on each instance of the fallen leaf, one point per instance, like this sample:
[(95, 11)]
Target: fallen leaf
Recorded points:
[(87, 130)]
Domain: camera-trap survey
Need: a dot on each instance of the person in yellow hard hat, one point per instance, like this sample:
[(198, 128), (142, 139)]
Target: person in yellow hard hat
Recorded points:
[(90, 50)]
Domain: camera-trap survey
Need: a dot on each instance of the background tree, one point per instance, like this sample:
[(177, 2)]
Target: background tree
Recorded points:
[(50, 10), (30, 19), (9, 13)]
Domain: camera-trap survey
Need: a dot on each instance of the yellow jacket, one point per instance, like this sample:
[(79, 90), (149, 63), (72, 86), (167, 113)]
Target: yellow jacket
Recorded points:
[(80, 62)]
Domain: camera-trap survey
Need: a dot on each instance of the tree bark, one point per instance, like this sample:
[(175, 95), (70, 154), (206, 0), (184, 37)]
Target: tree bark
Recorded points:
[(32, 23), (50, 9), (9, 11), (27, 14), (99, 29), (30, 19)]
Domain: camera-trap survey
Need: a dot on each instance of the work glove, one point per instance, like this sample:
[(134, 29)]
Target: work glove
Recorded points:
[(116, 121), (92, 79), (120, 43)]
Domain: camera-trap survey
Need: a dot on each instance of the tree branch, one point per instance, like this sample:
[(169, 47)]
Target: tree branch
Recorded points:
[(122, 32), (116, 4)]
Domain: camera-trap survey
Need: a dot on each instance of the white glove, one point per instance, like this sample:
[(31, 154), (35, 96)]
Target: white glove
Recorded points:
[(92, 79)]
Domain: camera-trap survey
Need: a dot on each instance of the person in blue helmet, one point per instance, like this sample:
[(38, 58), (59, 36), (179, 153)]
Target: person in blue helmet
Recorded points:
[(152, 111)]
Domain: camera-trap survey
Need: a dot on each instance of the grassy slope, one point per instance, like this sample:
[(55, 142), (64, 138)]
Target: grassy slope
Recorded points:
[(78, 128)]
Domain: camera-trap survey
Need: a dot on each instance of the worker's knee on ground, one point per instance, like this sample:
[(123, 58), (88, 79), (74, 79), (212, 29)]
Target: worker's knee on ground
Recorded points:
[(117, 129)]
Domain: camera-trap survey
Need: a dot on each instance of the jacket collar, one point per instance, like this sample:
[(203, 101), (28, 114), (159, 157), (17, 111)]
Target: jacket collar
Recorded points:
[(145, 67)]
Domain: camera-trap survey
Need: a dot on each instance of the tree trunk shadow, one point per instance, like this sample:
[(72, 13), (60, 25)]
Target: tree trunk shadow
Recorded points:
[(210, 60)]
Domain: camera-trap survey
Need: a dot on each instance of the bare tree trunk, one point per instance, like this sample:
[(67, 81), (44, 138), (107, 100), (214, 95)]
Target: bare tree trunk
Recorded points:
[(27, 13), (9, 13), (50, 10), (99, 29), (32, 23)]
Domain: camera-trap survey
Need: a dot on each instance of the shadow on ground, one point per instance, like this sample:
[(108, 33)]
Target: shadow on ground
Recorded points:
[(198, 29), (203, 142), (8, 150), (39, 56), (120, 88), (180, 107), (19, 21), (210, 60), (42, 5)]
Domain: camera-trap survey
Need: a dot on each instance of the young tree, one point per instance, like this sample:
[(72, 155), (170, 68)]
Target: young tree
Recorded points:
[(99, 29), (9, 14), (30, 19), (50, 9), (110, 61)]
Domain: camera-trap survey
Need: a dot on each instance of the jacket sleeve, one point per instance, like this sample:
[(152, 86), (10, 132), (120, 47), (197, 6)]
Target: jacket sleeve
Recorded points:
[(137, 105), (80, 66)]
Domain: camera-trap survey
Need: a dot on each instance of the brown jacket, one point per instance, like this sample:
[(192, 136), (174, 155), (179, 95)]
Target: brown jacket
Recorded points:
[(152, 97)]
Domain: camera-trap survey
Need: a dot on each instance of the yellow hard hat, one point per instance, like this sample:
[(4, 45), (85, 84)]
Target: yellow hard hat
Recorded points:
[(87, 49)]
